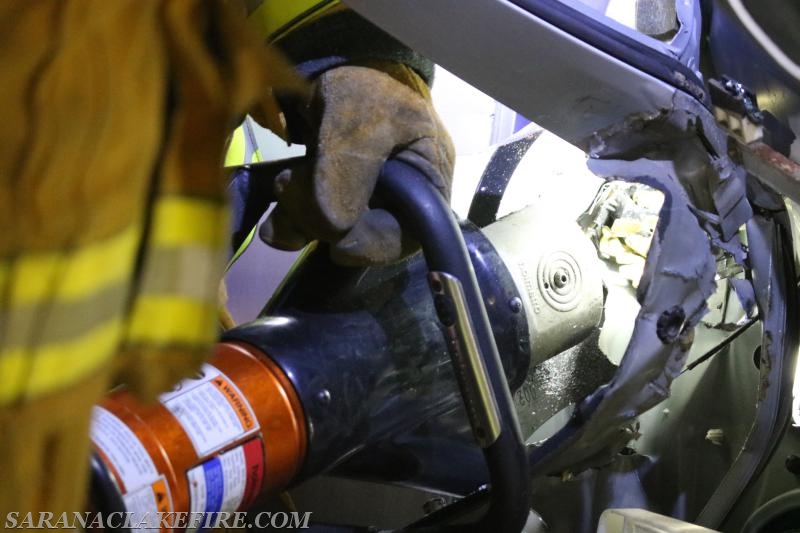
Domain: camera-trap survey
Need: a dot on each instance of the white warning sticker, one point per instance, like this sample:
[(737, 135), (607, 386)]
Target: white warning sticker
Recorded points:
[(144, 491), (211, 409), (148, 504), (121, 451)]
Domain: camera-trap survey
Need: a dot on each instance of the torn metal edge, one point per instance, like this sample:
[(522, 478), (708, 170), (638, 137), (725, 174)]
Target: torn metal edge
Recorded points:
[(703, 210)]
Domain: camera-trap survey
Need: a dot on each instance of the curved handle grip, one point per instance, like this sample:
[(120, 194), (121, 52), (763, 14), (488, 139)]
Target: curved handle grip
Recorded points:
[(409, 195)]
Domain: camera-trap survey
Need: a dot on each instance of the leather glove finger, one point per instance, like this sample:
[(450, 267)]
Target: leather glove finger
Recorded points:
[(375, 239), (290, 225), (421, 154), (367, 116)]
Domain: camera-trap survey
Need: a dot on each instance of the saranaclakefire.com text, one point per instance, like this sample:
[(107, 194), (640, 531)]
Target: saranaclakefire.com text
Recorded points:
[(157, 521)]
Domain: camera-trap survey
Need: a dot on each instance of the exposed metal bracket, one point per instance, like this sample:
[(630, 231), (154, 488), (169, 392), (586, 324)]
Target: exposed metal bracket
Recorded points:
[(772, 168)]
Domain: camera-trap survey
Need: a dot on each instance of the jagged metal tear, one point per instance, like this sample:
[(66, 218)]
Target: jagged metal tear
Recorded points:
[(701, 211)]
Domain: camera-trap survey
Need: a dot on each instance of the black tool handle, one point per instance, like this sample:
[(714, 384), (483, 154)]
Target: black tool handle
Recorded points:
[(409, 195), (422, 210)]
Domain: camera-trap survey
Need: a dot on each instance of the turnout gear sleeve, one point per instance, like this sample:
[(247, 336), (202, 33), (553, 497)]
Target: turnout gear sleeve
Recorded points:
[(113, 213)]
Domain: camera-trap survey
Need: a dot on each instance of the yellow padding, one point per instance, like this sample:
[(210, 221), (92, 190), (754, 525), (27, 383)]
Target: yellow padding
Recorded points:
[(274, 16), (162, 320), (29, 373), (180, 221), (72, 275)]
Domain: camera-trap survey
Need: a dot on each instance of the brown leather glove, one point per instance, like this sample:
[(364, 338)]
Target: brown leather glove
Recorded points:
[(363, 116)]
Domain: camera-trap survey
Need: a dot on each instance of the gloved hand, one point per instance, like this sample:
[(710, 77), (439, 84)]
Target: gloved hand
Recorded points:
[(359, 116)]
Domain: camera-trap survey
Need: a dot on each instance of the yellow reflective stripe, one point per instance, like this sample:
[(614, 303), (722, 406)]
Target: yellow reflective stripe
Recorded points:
[(236, 149), (274, 17), (179, 221), (163, 319), (27, 373), (71, 275)]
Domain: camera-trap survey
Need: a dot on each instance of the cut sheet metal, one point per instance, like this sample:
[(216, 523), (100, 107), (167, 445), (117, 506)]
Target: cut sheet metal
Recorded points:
[(683, 154)]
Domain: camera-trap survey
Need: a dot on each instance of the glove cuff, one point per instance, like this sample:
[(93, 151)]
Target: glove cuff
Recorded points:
[(400, 72)]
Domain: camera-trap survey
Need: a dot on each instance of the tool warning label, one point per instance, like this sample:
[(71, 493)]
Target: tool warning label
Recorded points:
[(144, 491), (121, 451), (211, 409), (228, 482), (148, 503)]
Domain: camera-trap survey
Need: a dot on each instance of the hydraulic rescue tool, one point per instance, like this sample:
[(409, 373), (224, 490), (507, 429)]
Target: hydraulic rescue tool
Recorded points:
[(345, 366)]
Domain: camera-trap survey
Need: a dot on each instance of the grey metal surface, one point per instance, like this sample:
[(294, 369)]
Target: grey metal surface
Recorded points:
[(719, 394), (670, 467), (775, 284), (566, 86), (561, 381), (776, 480), (557, 272), (539, 246)]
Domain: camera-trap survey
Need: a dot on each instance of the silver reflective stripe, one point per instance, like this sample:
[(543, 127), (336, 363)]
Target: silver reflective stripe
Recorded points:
[(59, 321), (468, 364)]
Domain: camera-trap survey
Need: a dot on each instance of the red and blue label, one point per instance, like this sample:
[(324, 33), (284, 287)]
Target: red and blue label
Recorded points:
[(228, 482)]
